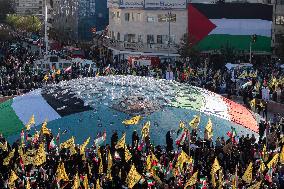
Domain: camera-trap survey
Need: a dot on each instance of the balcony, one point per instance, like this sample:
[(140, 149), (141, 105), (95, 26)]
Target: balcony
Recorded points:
[(140, 47)]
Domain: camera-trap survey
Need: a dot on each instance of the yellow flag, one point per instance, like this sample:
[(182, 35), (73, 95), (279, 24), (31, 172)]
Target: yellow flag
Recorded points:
[(83, 146), (40, 156), (213, 179), (45, 77), (264, 154), (98, 184), (86, 182), (256, 185), (76, 183), (58, 72), (262, 167), (220, 179), (133, 177), (192, 181), (133, 121), (195, 122), (146, 129), (215, 166), (44, 129), (68, 143), (61, 173), (247, 177), (182, 158), (6, 161), (148, 162), (4, 146), (30, 123), (182, 125), (109, 166), (28, 186), (209, 130), (274, 161), (281, 157), (127, 154), (13, 177), (121, 142), (253, 103)]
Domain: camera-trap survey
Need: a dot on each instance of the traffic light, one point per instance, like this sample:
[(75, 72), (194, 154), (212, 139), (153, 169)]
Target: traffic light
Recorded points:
[(254, 38)]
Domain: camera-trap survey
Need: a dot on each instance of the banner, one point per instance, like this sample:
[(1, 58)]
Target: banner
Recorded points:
[(113, 3), (131, 3), (165, 4)]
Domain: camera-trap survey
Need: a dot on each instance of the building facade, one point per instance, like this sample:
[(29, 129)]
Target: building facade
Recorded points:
[(78, 17), (29, 7), (146, 27)]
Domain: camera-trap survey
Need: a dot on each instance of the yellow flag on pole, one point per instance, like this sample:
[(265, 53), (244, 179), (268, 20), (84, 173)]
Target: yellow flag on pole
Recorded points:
[(86, 182), (133, 121), (76, 183), (61, 173), (30, 123), (182, 125), (247, 177), (4, 146), (281, 157), (215, 166), (192, 181), (262, 167), (182, 158), (256, 185), (98, 184), (146, 129), (121, 142), (195, 122), (68, 143), (133, 177), (109, 166), (273, 162), (209, 129), (28, 186), (40, 156), (127, 154), (44, 129), (213, 179), (148, 162), (13, 177), (83, 147), (6, 161)]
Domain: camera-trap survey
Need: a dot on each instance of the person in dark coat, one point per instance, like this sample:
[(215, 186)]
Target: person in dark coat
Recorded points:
[(169, 141)]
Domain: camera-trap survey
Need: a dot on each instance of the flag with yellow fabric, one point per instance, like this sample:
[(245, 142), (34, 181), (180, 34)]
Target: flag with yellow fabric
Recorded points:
[(30, 123), (58, 72), (192, 181), (4, 146), (253, 103), (121, 142), (83, 147), (28, 186), (256, 185), (133, 121), (209, 130), (148, 162), (40, 156), (61, 173), (98, 184), (146, 129), (11, 181), (273, 162), (281, 157), (195, 122), (182, 125), (247, 177), (216, 166), (262, 167), (68, 143), (127, 154), (220, 179), (109, 166), (6, 161), (45, 77), (264, 153), (76, 183), (86, 182), (182, 158), (133, 177), (44, 129), (213, 179)]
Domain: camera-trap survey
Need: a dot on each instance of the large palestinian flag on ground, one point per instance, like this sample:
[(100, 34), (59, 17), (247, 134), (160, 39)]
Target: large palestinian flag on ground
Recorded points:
[(211, 26)]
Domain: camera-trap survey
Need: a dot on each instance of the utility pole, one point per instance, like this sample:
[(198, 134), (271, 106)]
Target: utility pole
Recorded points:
[(45, 27), (169, 37)]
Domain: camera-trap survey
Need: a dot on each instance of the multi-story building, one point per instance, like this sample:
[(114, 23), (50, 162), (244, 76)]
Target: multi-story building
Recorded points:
[(146, 27), (78, 17), (34, 7)]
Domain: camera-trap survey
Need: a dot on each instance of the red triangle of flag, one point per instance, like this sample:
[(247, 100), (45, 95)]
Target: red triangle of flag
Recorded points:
[(199, 26)]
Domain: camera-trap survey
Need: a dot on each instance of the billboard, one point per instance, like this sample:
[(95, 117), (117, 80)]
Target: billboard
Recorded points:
[(132, 3), (113, 3), (165, 4)]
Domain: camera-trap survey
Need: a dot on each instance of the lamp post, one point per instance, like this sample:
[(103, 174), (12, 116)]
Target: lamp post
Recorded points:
[(169, 16)]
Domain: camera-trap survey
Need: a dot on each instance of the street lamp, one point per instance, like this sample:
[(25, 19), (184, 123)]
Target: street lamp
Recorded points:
[(169, 16)]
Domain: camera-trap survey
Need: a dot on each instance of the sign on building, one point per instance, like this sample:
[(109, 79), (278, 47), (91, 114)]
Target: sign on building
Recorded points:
[(165, 4), (113, 3), (132, 3)]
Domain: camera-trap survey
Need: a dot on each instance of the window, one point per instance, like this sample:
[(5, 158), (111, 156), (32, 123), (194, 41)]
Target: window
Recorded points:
[(279, 20), (132, 16), (127, 16), (150, 39), (279, 38), (118, 14), (118, 36), (150, 19), (280, 2), (139, 17), (140, 39), (162, 39), (172, 39), (129, 38)]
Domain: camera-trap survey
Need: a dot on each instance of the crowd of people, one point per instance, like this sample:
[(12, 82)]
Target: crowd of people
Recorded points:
[(37, 161)]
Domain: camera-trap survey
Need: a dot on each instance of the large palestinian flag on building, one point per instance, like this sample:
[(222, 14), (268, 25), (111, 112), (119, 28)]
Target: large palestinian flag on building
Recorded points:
[(212, 26)]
